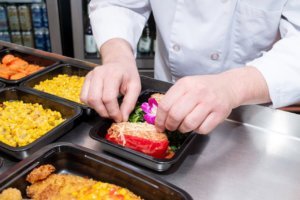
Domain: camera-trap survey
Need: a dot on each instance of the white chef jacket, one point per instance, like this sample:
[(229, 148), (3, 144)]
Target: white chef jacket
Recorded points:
[(210, 36)]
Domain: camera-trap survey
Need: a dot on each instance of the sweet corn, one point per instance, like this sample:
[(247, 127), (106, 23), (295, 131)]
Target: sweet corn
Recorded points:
[(101, 190), (22, 123), (65, 86)]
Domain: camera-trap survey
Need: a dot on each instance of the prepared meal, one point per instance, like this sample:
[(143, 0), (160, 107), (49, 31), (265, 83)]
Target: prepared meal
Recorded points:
[(22, 123), (14, 68), (63, 85), (47, 185), (141, 135)]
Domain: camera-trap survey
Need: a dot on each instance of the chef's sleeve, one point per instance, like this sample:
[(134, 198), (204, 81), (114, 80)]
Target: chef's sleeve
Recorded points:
[(280, 66), (123, 19)]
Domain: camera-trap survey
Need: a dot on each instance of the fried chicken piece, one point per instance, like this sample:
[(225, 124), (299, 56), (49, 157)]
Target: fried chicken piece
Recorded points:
[(40, 173), (58, 187), (71, 187), (11, 194)]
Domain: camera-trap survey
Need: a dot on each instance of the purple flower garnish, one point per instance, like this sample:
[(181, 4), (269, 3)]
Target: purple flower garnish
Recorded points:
[(150, 109)]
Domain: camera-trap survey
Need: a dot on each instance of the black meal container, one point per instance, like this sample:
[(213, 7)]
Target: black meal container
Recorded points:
[(55, 71), (2, 85), (31, 58), (98, 132), (69, 112), (72, 159)]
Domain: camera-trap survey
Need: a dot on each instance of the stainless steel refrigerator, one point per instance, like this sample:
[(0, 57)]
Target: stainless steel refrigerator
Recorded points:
[(40, 24)]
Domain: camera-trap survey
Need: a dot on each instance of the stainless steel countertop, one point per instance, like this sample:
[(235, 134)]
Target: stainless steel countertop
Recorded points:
[(254, 154), (237, 160)]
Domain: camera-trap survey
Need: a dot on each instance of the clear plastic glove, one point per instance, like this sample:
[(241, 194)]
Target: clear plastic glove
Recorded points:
[(200, 103), (118, 75)]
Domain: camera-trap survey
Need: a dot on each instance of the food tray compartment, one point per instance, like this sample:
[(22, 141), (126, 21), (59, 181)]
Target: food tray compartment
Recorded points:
[(99, 131), (1, 47), (77, 160), (30, 58), (69, 112), (55, 71)]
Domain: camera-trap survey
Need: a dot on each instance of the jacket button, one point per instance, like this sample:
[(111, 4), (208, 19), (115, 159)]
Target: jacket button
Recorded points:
[(215, 56), (176, 47)]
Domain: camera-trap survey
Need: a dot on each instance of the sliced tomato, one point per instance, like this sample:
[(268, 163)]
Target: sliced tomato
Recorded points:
[(152, 148)]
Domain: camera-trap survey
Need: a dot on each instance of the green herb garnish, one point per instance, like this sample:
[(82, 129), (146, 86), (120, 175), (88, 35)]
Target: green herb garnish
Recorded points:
[(175, 139), (137, 115)]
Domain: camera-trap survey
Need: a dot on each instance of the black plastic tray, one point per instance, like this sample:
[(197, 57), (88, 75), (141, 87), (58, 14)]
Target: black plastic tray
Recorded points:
[(2, 85), (69, 112), (77, 160), (30, 58), (99, 131), (60, 69)]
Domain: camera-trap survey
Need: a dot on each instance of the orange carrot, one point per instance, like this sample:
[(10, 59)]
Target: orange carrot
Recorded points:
[(8, 58), (17, 76)]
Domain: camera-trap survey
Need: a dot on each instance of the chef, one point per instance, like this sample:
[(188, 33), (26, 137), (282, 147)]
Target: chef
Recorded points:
[(219, 54)]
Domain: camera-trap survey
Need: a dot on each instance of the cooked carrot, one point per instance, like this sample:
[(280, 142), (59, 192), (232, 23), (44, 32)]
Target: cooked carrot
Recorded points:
[(17, 76), (6, 70), (5, 76), (13, 67), (8, 58), (5, 73), (19, 62), (2, 65), (32, 68), (18, 65)]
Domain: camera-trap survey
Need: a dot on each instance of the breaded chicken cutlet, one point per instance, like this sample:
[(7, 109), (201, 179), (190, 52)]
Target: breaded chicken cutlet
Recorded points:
[(58, 186), (40, 173), (71, 187), (11, 194)]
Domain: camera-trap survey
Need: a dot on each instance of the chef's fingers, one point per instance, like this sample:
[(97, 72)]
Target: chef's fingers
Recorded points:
[(130, 97), (194, 119), (211, 121), (85, 88), (170, 98), (180, 110), (95, 94), (110, 97)]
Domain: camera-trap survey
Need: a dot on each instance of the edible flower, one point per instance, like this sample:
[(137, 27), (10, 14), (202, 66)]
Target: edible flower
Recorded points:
[(150, 109)]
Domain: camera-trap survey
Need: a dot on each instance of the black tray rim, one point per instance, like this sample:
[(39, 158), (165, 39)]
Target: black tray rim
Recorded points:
[(23, 84), (77, 110), (12, 82), (161, 165), (45, 151), (2, 85)]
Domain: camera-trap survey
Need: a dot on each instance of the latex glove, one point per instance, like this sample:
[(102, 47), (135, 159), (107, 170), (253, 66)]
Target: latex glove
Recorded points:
[(117, 75), (200, 103)]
